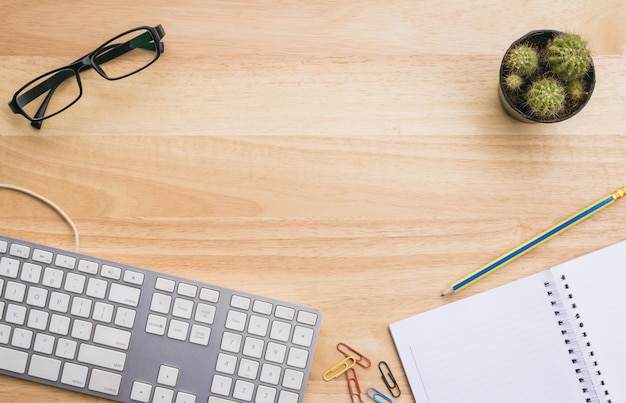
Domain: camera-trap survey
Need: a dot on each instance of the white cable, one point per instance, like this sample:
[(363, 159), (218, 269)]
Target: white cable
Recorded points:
[(50, 204)]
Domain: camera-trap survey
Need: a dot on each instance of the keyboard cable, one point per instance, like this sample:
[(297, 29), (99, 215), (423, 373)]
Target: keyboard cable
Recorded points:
[(51, 204)]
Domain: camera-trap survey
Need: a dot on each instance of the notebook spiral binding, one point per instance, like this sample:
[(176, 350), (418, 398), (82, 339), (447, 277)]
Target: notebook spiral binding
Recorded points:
[(577, 342)]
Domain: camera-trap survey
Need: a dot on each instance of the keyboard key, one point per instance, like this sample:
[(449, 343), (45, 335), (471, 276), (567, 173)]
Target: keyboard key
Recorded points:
[(59, 325), (265, 394), (182, 397), (103, 357), (15, 314), (141, 392), (243, 390), (66, 349), (156, 325), (42, 256), (9, 267), (74, 374), (280, 331), (307, 318), (236, 320), (5, 334), (160, 303), (124, 294), (111, 337), (44, 368), (168, 376), (37, 297), (209, 295), (178, 330), (293, 379), (270, 374), (183, 308), (15, 291), (200, 335), (162, 395), (52, 278), (248, 368), (297, 357), (37, 319), (275, 352), (87, 266), (221, 385), (262, 307), (103, 312), (287, 397), (97, 288), (111, 272), (105, 382), (302, 336), (213, 399), (125, 317), (237, 301), (3, 246), (75, 283), (59, 302), (187, 290), (44, 343), (18, 250), (13, 360), (22, 338), (31, 273), (66, 262), (164, 284), (231, 342), (258, 326), (226, 363), (205, 313), (285, 312), (133, 277)]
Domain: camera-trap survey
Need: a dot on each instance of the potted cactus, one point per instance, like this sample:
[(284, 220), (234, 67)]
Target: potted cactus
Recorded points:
[(546, 76)]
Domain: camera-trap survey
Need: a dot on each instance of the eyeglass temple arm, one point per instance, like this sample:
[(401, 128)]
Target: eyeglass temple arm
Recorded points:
[(143, 41)]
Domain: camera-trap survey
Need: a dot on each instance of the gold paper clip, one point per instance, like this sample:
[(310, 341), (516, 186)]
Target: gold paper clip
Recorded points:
[(339, 368), (353, 386), (389, 379), (375, 394), (349, 351)]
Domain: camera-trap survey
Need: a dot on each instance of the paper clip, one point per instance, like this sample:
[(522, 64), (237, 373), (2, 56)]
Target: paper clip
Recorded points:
[(349, 351), (388, 378), (339, 368), (376, 393), (353, 386)]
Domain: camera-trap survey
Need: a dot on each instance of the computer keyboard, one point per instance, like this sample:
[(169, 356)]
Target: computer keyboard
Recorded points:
[(134, 335)]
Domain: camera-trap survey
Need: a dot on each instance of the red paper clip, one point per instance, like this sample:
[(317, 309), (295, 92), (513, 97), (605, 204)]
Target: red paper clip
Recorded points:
[(353, 386), (348, 351)]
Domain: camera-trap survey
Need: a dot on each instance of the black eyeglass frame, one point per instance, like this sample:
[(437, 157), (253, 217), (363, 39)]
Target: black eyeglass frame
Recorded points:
[(94, 59)]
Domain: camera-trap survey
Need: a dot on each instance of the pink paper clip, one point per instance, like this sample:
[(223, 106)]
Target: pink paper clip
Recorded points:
[(353, 386), (348, 351)]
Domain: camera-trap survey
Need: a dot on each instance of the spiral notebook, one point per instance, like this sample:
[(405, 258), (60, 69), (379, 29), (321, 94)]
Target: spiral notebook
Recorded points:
[(555, 336)]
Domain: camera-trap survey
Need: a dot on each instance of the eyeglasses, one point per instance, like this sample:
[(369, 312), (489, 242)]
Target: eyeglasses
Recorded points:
[(53, 92)]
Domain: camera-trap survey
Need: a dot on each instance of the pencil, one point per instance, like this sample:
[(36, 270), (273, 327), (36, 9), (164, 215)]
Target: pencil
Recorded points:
[(534, 242)]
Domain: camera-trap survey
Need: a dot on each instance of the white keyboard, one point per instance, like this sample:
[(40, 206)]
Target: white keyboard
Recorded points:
[(133, 335)]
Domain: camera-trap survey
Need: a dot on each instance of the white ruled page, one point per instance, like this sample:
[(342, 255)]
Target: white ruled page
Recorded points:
[(503, 345), (597, 281)]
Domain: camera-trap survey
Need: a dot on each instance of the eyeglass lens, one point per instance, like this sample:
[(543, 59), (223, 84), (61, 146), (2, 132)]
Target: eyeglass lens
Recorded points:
[(125, 54), (50, 94)]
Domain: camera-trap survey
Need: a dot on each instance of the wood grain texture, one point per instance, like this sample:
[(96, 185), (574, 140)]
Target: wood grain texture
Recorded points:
[(352, 156)]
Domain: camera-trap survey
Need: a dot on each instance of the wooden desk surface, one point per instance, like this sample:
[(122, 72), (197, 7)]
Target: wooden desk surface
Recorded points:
[(352, 156)]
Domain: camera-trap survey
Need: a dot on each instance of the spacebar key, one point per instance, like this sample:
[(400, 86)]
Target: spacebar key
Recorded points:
[(101, 356)]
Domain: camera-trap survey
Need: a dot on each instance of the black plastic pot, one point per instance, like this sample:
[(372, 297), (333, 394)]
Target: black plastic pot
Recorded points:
[(513, 102)]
